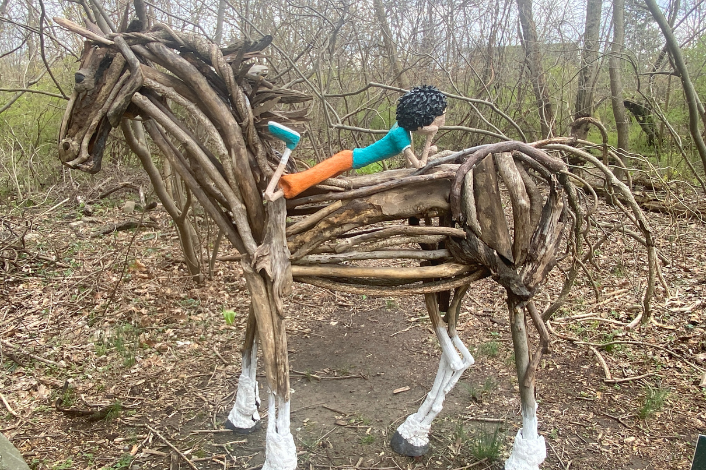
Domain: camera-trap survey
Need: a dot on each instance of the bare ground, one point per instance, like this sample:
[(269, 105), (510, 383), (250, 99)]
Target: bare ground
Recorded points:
[(113, 358)]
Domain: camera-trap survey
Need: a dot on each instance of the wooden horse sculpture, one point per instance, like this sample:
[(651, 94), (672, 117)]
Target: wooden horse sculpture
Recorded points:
[(449, 215)]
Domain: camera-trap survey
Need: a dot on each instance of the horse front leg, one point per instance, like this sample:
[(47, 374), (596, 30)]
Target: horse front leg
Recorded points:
[(529, 449), (244, 417), (280, 451), (412, 436)]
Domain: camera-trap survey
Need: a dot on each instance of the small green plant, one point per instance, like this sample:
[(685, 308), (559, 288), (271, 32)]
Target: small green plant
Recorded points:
[(367, 439), (653, 401), (489, 349), (64, 465), (486, 444), (390, 304), (123, 463), (476, 393), (114, 410), (229, 316), (370, 169), (68, 397)]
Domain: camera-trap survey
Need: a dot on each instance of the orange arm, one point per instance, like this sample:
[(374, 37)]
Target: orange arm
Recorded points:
[(296, 183)]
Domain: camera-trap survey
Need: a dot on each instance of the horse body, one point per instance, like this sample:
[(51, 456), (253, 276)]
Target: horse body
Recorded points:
[(465, 236)]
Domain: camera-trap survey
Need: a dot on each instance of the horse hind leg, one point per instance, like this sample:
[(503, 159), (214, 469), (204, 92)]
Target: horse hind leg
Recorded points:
[(244, 417), (529, 449), (412, 436)]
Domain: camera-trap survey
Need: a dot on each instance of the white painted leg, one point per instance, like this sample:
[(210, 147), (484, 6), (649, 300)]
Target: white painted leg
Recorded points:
[(280, 451), (529, 449), (244, 418), (412, 436)]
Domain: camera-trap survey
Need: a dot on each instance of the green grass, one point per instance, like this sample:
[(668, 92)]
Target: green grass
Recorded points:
[(477, 392), (490, 349), (653, 401), (368, 439), (486, 444)]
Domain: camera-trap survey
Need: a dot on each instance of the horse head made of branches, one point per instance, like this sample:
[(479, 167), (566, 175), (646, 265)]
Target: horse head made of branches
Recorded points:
[(92, 108)]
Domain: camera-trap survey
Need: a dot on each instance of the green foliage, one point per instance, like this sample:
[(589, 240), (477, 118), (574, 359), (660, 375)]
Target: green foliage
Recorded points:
[(229, 316), (114, 410), (63, 465), (124, 340), (486, 444), (121, 464), (68, 397), (367, 439), (28, 131), (489, 349), (653, 401), (376, 167), (477, 392)]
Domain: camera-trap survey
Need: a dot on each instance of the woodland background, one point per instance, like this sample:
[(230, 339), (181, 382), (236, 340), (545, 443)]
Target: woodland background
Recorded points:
[(514, 70), (112, 322)]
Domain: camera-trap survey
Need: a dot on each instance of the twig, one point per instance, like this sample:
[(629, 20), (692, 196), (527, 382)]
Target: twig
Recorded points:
[(402, 331), (485, 420), (33, 356), (628, 379), (53, 207), (9, 408), (608, 376), (618, 419), (166, 441), (471, 465), (213, 431), (219, 356), (335, 410), (305, 374)]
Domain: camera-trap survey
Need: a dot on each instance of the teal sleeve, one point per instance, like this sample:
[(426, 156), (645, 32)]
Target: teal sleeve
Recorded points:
[(393, 143)]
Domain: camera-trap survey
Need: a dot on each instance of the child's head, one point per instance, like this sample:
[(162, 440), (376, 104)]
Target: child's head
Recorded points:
[(419, 107)]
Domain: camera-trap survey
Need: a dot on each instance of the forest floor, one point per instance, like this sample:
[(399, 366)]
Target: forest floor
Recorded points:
[(113, 358)]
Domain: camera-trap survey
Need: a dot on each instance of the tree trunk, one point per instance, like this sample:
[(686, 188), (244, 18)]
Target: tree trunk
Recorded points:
[(616, 85), (692, 99), (390, 47), (589, 66), (534, 63), (219, 21), (135, 137)]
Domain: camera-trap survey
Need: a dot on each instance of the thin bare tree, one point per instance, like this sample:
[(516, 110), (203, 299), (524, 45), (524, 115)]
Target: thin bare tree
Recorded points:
[(589, 66), (536, 70), (616, 85)]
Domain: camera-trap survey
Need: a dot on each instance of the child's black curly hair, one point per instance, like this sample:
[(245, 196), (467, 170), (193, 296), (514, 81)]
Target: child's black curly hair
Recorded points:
[(419, 107)]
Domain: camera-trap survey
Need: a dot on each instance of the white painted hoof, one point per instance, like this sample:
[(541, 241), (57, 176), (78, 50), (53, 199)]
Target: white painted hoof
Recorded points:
[(414, 432), (281, 452), (527, 454), (244, 415)]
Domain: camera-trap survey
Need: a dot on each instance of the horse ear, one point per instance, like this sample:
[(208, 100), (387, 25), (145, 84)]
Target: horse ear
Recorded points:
[(123, 22)]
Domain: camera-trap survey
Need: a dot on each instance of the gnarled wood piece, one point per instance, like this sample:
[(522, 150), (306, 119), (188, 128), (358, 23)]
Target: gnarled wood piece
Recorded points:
[(541, 257), (535, 197), (522, 229), (552, 164), (469, 204), (473, 251), (423, 288), (273, 255), (495, 232), (240, 176)]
